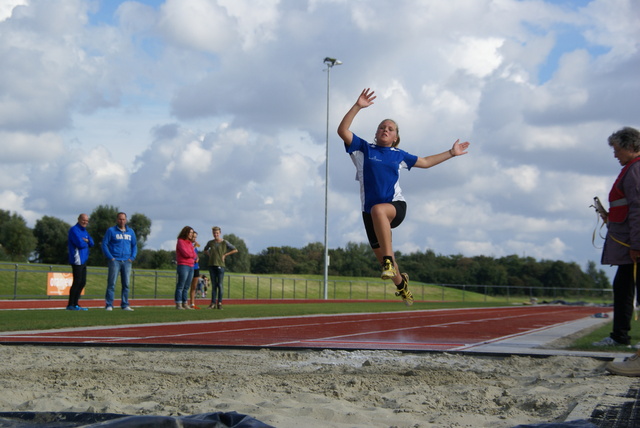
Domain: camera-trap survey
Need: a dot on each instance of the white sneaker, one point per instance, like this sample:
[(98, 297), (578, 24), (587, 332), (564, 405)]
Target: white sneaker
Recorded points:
[(629, 367), (608, 341), (109, 308), (128, 308)]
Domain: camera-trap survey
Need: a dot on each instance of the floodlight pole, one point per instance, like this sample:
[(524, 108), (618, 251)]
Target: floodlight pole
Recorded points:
[(330, 62)]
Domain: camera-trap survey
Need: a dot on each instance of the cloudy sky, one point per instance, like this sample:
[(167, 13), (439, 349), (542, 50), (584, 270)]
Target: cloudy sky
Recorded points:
[(214, 112)]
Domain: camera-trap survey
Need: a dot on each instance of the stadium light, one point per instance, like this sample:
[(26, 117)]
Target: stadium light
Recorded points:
[(330, 62)]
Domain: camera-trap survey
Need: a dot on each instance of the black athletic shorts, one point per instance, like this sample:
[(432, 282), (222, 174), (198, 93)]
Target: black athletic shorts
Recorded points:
[(401, 212)]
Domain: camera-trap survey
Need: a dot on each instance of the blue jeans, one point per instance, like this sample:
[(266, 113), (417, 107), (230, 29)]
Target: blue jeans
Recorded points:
[(122, 267), (217, 283), (183, 284)]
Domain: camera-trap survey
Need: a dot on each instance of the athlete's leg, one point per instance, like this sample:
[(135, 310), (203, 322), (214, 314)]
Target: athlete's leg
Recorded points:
[(382, 215)]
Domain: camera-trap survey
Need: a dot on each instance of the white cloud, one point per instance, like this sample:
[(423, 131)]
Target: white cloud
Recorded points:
[(198, 112), (479, 57), (525, 177), (614, 24), (77, 179), (198, 24), (22, 147), (256, 20), (7, 6)]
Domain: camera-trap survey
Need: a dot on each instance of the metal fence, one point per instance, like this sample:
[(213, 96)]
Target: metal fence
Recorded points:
[(29, 281)]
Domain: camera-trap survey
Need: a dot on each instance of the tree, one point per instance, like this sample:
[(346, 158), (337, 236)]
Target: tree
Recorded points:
[(102, 218), (561, 274), (16, 238), (51, 234), (141, 224), (272, 260), (239, 262), (598, 276), (309, 260), (356, 259), (421, 265), (485, 271), (156, 259)]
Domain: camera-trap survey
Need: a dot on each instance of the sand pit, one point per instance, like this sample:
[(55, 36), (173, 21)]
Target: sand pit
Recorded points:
[(290, 389)]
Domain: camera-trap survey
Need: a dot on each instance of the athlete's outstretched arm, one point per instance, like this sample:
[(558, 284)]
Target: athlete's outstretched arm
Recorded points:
[(364, 100), (458, 149)]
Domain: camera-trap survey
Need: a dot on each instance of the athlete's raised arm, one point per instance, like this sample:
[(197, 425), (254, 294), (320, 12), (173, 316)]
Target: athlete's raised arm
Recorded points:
[(458, 149), (364, 100)]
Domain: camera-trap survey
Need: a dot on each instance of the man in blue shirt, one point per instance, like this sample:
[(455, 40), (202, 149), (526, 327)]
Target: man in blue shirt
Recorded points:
[(120, 248), (78, 244)]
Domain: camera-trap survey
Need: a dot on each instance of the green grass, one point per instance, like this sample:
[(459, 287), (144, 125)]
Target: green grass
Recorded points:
[(584, 343), (28, 281), (36, 319)]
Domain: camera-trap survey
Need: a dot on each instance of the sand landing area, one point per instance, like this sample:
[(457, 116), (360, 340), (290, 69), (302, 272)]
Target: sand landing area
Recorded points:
[(315, 388), (504, 382)]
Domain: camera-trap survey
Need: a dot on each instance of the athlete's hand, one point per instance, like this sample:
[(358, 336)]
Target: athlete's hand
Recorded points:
[(459, 148), (366, 98)]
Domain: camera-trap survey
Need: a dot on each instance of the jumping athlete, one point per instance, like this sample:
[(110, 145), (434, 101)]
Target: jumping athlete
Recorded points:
[(378, 171)]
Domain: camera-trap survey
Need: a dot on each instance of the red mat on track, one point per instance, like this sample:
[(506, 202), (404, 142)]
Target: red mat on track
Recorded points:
[(418, 330)]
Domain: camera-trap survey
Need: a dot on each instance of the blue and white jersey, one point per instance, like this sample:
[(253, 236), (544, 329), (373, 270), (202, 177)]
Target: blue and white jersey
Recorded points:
[(78, 247), (378, 171)]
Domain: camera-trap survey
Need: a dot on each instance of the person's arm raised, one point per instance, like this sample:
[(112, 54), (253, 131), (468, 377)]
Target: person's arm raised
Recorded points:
[(364, 100), (458, 149)]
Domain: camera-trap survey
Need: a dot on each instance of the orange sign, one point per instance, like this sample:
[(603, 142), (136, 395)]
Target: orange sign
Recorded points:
[(59, 283)]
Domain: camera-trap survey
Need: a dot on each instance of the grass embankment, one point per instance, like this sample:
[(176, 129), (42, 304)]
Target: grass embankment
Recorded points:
[(29, 282)]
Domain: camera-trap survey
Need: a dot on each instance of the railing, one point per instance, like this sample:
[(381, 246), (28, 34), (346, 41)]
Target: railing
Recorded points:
[(28, 281)]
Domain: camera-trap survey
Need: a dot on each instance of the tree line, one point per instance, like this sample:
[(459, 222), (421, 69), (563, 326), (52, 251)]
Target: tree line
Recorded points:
[(47, 243)]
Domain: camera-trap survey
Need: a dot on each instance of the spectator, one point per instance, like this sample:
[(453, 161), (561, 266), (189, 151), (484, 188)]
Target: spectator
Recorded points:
[(120, 248), (217, 249), (78, 243), (185, 258), (622, 243), (196, 273), (202, 286)]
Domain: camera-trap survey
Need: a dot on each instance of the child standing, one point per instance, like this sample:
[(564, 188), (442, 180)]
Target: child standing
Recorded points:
[(378, 171), (217, 249)]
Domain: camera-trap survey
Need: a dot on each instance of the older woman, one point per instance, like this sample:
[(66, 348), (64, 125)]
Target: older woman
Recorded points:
[(622, 244), (185, 258)]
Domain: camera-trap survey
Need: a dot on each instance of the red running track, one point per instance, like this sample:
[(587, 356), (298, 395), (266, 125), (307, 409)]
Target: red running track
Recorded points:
[(417, 330)]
